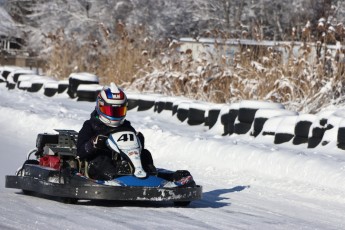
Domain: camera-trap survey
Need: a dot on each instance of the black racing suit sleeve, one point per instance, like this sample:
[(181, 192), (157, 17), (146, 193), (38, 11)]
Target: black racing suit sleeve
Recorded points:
[(85, 148)]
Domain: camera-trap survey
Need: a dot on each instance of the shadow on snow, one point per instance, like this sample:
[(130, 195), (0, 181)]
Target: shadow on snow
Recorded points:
[(215, 198)]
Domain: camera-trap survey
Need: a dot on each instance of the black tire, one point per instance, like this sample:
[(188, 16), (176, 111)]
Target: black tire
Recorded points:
[(145, 105), (258, 124), (196, 116), (182, 114), (341, 138), (233, 114), (35, 87), (159, 106), (317, 132), (280, 138), (10, 85), (302, 128), (168, 105), (62, 88), (90, 96), (301, 132), (212, 117), (174, 109), (27, 192), (297, 140), (73, 84), (242, 127), (49, 92), (314, 141), (132, 103), (224, 120), (246, 115)]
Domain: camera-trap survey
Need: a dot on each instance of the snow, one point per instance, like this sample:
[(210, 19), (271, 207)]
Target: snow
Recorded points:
[(248, 183), (83, 76), (51, 85), (89, 87), (253, 104)]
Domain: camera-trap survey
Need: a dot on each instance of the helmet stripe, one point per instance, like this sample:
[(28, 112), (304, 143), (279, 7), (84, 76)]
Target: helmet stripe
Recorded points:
[(109, 94)]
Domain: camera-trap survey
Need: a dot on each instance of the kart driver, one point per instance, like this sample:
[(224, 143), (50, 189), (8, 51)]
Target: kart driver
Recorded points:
[(108, 117)]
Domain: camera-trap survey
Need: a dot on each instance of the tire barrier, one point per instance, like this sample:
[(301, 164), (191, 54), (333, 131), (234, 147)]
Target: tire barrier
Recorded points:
[(88, 92), (286, 130), (76, 79), (36, 84), (318, 128), (159, 106), (164, 103), (247, 111), (14, 75), (269, 128), (228, 116), (248, 108), (212, 115), (7, 70), (265, 121), (241, 127), (302, 128), (341, 135), (169, 105), (262, 115), (10, 85), (133, 101), (50, 88), (197, 113), (233, 114), (24, 85), (330, 136), (182, 111), (176, 104), (25, 78), (63, 86), (146, 102)]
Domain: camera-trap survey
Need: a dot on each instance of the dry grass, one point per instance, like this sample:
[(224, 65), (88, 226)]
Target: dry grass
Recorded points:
[(302, 82), (114, 55), (305, 82)]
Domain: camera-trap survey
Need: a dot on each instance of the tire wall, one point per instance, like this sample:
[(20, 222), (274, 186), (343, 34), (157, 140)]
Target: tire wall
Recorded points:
[(256, 119)]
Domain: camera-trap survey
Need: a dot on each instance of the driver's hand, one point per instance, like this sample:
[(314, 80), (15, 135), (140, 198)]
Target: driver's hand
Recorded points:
[(99, 142)]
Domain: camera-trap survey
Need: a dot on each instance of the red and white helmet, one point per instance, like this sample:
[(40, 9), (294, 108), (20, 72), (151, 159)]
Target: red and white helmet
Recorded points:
[(111, 105)]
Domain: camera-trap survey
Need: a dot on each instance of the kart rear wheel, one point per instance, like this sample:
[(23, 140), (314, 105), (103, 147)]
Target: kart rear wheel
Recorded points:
[(67, 200), (27, 192), (181, 203)]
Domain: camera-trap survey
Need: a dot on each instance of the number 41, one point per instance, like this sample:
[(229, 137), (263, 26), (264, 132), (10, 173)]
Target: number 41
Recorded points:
[(126, 136)]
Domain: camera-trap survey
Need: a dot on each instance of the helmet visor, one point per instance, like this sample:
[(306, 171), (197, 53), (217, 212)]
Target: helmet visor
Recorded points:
[(113, 111)]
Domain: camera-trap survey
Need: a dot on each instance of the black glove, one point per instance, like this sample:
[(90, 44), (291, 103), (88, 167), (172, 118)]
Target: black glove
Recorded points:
[(99, 142)]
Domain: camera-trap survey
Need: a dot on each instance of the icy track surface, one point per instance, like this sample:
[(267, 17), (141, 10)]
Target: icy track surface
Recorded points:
[(248, 183)]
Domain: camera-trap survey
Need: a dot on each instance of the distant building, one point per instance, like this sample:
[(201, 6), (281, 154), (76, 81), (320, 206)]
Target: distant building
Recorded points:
[(205, 47), (10, 43)]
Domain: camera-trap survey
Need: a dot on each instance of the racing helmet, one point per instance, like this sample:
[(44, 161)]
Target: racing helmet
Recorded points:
[(111, 105)]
